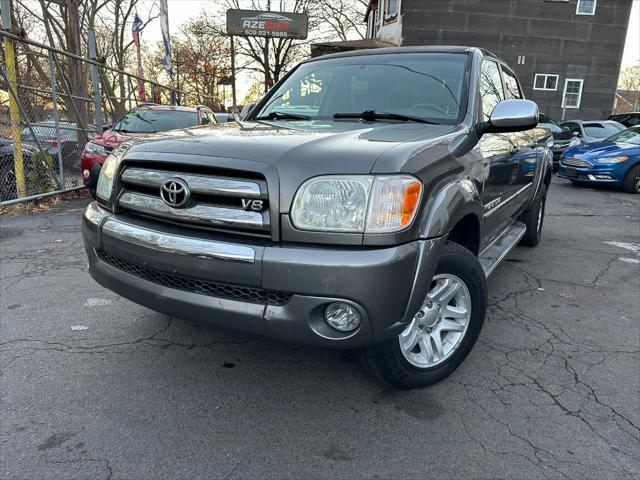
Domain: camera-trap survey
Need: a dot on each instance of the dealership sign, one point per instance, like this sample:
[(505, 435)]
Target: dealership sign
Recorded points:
[(252, 23)]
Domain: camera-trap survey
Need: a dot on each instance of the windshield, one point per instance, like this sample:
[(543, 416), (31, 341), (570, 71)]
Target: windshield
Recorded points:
[(600, 130), (425, 85), (630, 135), (150, 121)]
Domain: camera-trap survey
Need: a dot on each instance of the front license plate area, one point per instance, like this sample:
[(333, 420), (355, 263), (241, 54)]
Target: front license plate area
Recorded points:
[(570, 172)]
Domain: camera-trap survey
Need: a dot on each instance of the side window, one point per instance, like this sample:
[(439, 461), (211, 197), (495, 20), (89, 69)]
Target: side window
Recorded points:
[(511, 85), (491, 91), (573, 127)]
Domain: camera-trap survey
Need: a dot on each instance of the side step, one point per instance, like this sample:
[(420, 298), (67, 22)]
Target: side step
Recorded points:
[(491, 256)]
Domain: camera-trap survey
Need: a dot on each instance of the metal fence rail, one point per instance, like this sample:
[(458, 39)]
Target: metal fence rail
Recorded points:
[(49, 111)]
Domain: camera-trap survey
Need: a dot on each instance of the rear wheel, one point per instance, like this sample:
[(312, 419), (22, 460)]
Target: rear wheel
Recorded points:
[(533, 218), (631, 182), (444, 330)]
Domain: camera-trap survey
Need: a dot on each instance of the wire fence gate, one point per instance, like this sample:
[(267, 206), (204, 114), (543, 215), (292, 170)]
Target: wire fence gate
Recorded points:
[(52, 103)]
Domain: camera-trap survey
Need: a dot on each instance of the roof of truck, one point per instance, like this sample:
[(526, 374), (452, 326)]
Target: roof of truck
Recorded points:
[(414, 49)]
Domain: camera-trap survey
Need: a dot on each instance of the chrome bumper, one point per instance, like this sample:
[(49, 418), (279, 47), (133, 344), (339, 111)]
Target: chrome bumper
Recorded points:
[(176, 244)]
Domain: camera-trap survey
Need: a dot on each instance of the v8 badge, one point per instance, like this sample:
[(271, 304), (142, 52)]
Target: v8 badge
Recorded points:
[(255, 205)]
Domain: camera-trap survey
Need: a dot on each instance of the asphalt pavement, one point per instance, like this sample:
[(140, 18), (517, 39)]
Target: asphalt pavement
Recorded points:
[(93, 386)]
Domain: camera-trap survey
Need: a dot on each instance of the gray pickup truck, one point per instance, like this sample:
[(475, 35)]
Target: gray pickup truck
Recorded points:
[(361, 205)]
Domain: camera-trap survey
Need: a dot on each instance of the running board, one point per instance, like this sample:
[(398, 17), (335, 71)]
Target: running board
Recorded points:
[(491, 256)]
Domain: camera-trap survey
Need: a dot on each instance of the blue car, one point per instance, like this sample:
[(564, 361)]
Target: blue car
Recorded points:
[(614, 161)]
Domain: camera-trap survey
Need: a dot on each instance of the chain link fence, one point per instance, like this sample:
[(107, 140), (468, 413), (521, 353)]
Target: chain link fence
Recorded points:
[(51, 104)]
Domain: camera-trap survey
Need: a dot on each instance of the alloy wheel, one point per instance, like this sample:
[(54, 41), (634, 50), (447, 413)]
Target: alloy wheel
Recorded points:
[(438, 328)]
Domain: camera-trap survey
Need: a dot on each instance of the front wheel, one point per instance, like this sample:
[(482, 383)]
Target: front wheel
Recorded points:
[(443, 331), (631, 182)]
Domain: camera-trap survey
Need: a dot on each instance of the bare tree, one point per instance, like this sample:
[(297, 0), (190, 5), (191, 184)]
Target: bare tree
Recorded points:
[(343, 19), (630, 79)]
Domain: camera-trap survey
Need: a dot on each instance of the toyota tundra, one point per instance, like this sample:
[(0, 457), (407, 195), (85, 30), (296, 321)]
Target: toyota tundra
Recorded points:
[(361, 204)]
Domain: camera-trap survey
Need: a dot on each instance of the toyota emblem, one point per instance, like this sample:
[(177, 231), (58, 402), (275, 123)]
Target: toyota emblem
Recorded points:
[(175, 193)]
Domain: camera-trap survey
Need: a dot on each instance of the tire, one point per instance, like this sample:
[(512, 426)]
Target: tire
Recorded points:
[(533, 218), (631, 182), (387, 360), (7, 179)]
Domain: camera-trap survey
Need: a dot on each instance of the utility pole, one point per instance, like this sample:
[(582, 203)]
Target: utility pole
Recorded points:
[(233, 73), (14, 109)]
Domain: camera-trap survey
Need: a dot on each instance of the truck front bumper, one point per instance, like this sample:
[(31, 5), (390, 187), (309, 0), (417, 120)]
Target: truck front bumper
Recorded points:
[(276, 290)]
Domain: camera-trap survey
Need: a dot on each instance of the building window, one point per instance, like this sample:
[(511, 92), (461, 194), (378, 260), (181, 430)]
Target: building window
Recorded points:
[(586, 7), (572, 95), (390, 8), (545, 81)]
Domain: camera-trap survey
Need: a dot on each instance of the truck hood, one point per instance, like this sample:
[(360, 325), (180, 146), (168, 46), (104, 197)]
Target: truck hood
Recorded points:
[(316, 146)]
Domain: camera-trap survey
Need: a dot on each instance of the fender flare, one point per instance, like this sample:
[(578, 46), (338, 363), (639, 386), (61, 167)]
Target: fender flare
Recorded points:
[(452, 203)]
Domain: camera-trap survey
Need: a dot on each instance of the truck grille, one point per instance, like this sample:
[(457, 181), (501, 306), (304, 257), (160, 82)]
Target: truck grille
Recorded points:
[(575, 162), (219, 202), (195, 285)]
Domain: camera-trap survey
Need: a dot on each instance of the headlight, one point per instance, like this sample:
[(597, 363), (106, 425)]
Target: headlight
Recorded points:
[(95, 148), (356, 203), (108, 172), (621, 159)]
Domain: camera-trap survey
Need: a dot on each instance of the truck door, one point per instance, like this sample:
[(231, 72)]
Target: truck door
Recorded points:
[(527, 153), (500, 154)]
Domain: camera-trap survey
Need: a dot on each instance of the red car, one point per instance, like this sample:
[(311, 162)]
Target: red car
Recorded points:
[(141, 120)]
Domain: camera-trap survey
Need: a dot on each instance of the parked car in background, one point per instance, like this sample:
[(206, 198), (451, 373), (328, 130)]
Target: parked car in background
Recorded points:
[(561, 137), (47, 137), (142, 120), (629, 119), (591, 131), (615, 161), (34, 183), (224, 117)]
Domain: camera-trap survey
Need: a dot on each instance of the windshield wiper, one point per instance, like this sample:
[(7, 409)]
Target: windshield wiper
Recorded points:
[(373, 115), (275, 115)]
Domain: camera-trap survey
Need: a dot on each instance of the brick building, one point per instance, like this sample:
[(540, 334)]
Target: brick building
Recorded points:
[(567, 53)]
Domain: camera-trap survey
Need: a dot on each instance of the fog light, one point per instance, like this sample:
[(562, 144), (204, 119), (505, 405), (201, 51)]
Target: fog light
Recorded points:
[(86, 173), (342, 317)]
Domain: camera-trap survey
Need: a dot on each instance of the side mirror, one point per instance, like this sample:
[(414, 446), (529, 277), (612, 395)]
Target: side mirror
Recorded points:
[(106, 126), (565, 129), (507, 116), (511, 116)]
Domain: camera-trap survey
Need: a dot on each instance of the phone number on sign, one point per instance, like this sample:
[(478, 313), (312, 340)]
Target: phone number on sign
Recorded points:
[(266, 33)]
